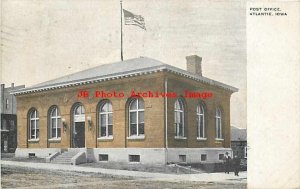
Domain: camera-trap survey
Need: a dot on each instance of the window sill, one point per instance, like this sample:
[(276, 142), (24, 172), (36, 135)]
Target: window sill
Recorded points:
[(201, 139), (105, 138), (134, 162), (34, 140), (219, 139), (180, 138), (141, 137), (54, 139)]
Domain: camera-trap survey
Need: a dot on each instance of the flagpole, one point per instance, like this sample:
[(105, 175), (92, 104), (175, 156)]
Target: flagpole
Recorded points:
[(121, 31)]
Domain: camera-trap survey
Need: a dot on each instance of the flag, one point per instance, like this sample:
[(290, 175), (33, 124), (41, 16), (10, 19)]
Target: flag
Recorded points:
[(132, 19)]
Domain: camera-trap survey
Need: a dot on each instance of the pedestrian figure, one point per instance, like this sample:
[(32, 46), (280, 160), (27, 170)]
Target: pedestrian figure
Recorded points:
[(236, 165), (227, 161)]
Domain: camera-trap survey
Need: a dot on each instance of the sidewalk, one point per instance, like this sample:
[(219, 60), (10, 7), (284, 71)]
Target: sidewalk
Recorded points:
[(205, 177)]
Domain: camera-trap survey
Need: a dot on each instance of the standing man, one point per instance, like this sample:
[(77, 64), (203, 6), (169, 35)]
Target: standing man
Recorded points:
[(236, 165), (227, 161)]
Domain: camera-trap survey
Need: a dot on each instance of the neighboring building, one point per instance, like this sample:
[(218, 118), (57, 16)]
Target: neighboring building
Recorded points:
[(8, 123), (239, 142), (72, 113)]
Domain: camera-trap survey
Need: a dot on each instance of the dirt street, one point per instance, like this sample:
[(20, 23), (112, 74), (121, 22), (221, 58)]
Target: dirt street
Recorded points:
[(13, 177)]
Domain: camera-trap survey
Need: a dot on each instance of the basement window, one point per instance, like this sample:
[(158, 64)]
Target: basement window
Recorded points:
[(221, 156), (134, 158), (103, 157), (182, 158), (203, 157), (31, 155)]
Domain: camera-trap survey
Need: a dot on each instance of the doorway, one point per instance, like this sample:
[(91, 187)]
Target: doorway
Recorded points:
[(79, 135), (78, 130)]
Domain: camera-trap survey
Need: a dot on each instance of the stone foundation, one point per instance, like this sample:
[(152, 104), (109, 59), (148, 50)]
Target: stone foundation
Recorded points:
[(150, 156)]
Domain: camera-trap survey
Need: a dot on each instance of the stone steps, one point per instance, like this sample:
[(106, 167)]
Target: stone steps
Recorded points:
[(62, 161), (65, 157)]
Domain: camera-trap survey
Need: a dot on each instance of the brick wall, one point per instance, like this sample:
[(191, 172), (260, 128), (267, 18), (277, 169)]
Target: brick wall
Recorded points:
[(221, 99), (65, 98)]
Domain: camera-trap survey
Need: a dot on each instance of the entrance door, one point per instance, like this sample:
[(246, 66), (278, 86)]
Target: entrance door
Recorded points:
[(79, 135)]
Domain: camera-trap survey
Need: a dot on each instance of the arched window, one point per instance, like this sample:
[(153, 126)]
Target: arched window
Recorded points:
[(218, 124), (79, 113), (79, 110), (200, 121), (136, 117), (34, 124), (55, 123), (179, 118), (105, 119)]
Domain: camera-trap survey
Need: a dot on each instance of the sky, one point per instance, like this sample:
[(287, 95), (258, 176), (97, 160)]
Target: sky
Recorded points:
[(43, 40)]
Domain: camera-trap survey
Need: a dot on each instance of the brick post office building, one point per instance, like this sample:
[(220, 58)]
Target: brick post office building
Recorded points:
[(92, 113)]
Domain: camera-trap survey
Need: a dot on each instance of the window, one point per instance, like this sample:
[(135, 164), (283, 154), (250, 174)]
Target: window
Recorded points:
[(6, 103), (203, 157), (31, 155), (79, 113), (34, 124), (221, 156), (200, 121), (103, 157), (179, 118), (79, 110), (105, 119), (55, 123), (136, 117), (245, 152), (218, 124), (134, 158), (182, 158)]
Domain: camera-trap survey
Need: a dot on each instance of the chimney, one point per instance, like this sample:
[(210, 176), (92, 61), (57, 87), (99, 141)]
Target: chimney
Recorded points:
[(193, 64)]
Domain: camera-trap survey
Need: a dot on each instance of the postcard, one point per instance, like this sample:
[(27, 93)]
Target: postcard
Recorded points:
[(149, 94)]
